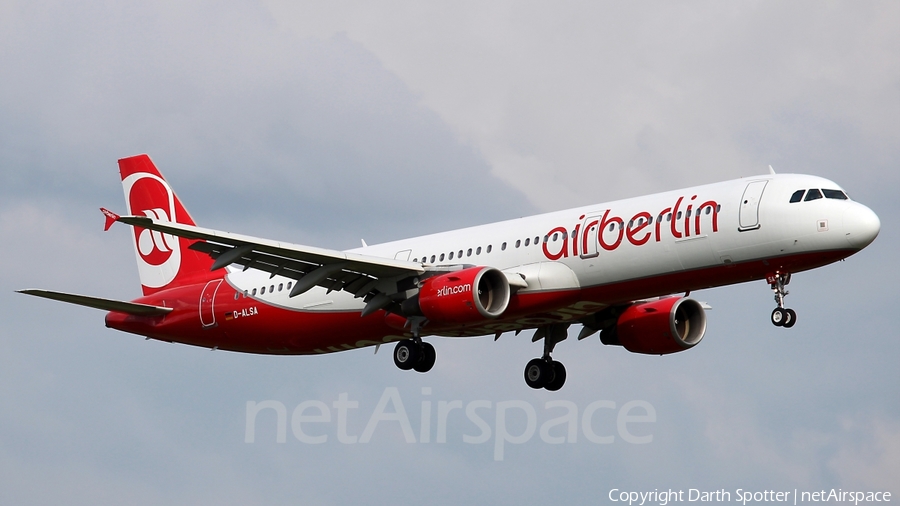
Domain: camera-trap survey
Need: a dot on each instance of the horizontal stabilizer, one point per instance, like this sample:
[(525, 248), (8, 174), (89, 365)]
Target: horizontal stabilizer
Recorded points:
[(118, 306)]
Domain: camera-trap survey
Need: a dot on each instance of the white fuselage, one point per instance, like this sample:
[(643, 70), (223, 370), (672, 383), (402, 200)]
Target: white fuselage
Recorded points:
[(730, 223)]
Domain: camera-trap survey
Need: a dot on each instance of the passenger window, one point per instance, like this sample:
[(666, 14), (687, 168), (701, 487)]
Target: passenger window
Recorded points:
[(459, 255), (236, 295), (271, 288), (442, 257), (254, 291), (289, 285), (280, 286), (797, 196), (478, 250), (451, 256), (518, 242), (536, 239), (262, 291), (719, 208), (469, 252), (527, 241), (432, 258), (612, 226), (813, 195), (503, 247), (555, 236), (489, 248), (679, 215), (245, 293), (835, 194)]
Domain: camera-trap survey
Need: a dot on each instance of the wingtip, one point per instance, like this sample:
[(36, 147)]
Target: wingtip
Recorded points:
[(111, 218)]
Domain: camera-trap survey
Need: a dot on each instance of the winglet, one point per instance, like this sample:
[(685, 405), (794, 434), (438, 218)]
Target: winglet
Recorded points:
[(111, 218)]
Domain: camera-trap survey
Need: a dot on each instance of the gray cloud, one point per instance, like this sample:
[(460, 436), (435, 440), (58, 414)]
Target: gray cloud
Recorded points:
[(231, 108), (584, 102)]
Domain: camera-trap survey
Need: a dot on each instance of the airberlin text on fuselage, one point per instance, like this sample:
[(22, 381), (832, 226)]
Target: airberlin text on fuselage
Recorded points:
[(610, 231)]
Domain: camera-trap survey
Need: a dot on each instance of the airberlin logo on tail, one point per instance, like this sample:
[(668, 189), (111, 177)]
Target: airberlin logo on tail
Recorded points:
[(159, 255), (155, 247)]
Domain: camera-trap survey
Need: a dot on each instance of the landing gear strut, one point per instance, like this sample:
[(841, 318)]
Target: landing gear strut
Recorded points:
[(545, 372), (781, 317)]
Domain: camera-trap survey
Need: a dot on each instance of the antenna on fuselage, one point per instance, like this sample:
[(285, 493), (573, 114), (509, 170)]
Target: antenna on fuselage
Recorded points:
[(771, 170)]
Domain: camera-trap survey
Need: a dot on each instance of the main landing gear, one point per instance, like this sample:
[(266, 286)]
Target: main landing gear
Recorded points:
[(414, 354), (781, 317), (545, 372)]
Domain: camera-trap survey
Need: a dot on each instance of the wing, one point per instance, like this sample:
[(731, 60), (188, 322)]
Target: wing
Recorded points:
[(118, 306), (380, 281)]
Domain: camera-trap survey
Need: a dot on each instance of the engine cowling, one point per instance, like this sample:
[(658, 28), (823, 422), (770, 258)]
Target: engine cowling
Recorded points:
[(466, 296), (660, 327)]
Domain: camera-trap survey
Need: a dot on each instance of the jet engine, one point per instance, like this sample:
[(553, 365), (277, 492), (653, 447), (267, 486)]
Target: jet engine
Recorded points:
[(659, 327), (466, 296)]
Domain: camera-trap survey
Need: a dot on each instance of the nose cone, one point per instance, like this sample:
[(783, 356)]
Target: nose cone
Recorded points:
[(861, 225)]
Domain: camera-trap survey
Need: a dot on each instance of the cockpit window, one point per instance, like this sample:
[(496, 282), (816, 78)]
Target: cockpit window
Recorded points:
[(835, 194), (797, 196), (813, 195)]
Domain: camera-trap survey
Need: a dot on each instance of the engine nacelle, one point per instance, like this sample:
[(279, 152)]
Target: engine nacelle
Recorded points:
[(467, 296), (660, 327)]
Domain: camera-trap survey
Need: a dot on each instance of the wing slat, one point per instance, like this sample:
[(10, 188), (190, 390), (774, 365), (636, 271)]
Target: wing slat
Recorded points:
[(374, 266), (245, 255)]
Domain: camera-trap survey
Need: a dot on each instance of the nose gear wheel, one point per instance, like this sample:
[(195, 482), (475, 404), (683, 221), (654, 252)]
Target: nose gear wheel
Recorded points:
[(781, 316)]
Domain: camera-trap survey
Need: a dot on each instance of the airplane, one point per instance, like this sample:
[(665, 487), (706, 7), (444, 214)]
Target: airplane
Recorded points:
[(623, 269)]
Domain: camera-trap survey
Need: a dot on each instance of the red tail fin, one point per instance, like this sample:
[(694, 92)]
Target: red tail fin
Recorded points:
[(164, 261)]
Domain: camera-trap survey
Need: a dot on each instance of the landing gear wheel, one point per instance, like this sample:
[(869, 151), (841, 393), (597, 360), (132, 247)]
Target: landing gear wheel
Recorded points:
[(538, 373), (426, 362), (407, 354), (559, 376), (779, 316), (791, 318)]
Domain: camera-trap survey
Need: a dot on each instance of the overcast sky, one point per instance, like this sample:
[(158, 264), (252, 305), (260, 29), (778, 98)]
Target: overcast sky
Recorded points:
[(326, 123)]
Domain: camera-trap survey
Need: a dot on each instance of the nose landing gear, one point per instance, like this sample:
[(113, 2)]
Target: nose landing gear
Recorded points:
[(781, 317)]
